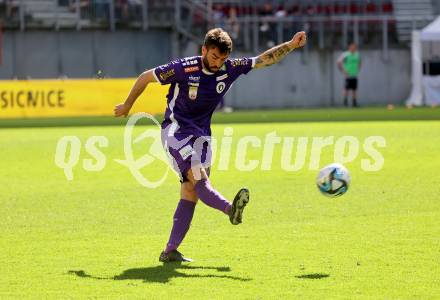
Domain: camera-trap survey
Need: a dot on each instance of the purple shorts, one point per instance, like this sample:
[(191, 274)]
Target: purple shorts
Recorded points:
[(186, 151)]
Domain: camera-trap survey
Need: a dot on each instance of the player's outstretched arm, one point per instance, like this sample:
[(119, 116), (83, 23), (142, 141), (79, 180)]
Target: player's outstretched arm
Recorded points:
[(139, 86), (277, 53)]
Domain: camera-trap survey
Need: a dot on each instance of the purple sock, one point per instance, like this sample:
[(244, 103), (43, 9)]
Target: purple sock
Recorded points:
[(182, 219), (211, 197)]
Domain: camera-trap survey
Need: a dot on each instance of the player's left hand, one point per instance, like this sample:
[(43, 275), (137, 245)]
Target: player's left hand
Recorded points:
[(299, 39), (121, 110)]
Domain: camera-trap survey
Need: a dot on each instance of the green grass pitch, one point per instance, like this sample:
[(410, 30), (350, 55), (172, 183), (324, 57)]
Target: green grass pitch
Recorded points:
[(100, 235)]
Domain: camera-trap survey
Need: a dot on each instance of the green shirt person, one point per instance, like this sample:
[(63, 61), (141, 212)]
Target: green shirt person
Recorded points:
[(349, 63)]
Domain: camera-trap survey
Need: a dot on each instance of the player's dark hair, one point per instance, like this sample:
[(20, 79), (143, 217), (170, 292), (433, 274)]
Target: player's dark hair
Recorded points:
[(219, 38)]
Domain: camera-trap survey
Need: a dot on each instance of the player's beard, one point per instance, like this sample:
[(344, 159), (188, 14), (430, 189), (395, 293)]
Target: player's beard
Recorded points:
[(207, 67)]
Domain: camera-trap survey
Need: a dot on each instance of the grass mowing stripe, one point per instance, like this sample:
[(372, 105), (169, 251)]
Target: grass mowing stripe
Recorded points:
[(253, 116)]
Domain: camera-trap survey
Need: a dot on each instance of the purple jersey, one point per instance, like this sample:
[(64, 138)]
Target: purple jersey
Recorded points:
[(195, 93)]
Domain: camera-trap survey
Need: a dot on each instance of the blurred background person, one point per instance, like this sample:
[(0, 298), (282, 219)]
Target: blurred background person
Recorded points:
[(232, 24), (349, 63), (267, 27)]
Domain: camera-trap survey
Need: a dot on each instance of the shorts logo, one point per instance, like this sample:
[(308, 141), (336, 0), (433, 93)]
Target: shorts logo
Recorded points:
[(220, 87), (191, 69), (192, 92), (165, 75), (186, 151)]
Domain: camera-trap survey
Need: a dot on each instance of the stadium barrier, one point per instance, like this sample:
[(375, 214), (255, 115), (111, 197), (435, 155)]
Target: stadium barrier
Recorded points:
[(72, 97)]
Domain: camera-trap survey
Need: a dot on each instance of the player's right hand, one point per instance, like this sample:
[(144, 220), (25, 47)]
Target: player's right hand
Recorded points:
[(299, 39), (121, 109)]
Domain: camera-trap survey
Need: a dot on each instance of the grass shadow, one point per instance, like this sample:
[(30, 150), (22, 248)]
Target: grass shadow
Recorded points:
[(313, 276), (163, 273)]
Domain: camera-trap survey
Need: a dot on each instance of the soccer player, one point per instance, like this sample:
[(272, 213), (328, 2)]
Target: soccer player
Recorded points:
[(197, 85), (349, 63)]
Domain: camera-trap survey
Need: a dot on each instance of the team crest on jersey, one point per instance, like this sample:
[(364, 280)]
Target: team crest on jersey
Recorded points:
[(192, 92), (220, 87)]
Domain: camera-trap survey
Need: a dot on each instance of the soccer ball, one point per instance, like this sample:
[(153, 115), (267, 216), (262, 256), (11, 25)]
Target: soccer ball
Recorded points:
[(333, 180)]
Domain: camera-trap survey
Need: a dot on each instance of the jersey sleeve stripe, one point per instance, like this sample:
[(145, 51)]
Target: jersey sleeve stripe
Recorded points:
[(254, 60), (155, 76)]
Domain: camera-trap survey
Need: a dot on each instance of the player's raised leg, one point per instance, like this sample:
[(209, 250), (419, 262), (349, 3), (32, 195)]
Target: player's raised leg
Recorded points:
[(214, 199)]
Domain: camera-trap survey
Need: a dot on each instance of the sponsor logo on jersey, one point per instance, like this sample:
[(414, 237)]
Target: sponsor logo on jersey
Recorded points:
[(194, 78), (224, 76), (220, 87), (189, 62), (165, 75), (191, 69), (239, 62)]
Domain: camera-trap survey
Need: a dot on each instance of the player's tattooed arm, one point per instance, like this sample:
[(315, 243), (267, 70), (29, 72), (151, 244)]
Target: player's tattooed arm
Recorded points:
[(273, 55), (277, 53), (139, 86)]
